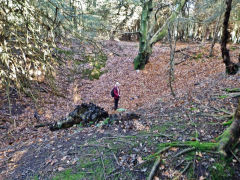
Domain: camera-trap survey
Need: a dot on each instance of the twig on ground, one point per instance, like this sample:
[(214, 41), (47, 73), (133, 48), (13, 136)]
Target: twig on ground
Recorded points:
[(158, 135), (217, 116), (180, 50), (154, 168), (230, 95), (114, 173), (177, 63), (222, 110), (157, 162), (186, 168), (235, 156), (195, 126), (184, 151), (42, 125), (232, 90), (104, 169), (179, 164), (115, 157), (164, 135), (95, 145), (141, 135), (194, 162), (121, 141), (163, 150), (117, 137), (213, 152)]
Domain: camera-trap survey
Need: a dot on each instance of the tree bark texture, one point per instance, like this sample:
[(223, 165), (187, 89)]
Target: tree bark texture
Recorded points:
[(232, 134), (172, 55), (147, 37), (145, 49), (215, 36), (231, 68)]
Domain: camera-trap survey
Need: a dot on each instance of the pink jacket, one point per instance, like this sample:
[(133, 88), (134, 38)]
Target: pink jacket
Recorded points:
[(116, 92)]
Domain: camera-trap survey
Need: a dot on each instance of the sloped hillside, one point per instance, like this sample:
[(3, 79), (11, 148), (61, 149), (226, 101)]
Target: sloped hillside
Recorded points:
[(123, 148)]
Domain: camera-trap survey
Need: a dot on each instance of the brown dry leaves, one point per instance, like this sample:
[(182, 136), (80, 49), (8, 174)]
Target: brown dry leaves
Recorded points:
[(139, 89)]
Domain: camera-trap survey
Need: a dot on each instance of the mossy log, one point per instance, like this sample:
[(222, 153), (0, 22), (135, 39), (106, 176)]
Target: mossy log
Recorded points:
[(86, 114), (200, 146), (89, 114)]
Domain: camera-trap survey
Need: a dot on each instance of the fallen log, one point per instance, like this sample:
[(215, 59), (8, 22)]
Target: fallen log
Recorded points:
[(86, 114)]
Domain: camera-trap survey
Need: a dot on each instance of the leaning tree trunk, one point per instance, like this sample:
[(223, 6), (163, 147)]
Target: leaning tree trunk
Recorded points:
[(145, 49), (147, 37), (231, 68), (232, 134)]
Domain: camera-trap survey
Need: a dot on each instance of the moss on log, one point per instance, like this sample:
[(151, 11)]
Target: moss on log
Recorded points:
[(201, 146), (231, 135), (86, 114)]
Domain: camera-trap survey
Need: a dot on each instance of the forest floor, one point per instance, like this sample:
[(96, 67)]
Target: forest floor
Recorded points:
[(124, 150)]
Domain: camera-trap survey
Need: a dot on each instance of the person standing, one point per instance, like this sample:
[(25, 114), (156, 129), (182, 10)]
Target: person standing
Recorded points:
[(116, 96)]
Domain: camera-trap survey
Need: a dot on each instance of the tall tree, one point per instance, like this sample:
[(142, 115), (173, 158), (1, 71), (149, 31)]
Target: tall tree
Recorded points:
[(148, 35), (232, 134), (145, 48), (231, 68)]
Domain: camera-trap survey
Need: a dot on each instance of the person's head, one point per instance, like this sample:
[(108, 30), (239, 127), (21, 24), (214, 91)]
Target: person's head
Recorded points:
[(117, 84)]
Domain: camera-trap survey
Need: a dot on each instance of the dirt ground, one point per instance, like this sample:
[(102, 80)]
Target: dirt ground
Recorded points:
[(122, 149)]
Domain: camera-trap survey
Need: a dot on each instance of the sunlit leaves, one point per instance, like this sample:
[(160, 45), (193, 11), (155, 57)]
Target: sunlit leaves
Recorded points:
[(23, 54)]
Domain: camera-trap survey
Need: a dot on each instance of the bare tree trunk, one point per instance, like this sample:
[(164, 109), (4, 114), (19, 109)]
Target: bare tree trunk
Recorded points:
[(215, 36), (204, 33), (231, 135), (231, 68), (172, 48)]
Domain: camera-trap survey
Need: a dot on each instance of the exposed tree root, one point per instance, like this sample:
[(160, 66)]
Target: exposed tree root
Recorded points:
[(229, 95), (104, 169), (226, 115), (221, 116), (179, 164), (157, 163), (234, 155), (223, 111), (201, 146), (227, 123), (186, 168), (185, 151), (231, 135), (154, 168), (224, 144), (232, 90)]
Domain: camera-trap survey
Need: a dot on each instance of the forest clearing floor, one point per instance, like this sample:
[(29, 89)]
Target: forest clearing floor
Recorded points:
[(124, 150)]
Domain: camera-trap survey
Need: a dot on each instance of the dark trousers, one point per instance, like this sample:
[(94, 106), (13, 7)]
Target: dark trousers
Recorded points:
[(116, 104)]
